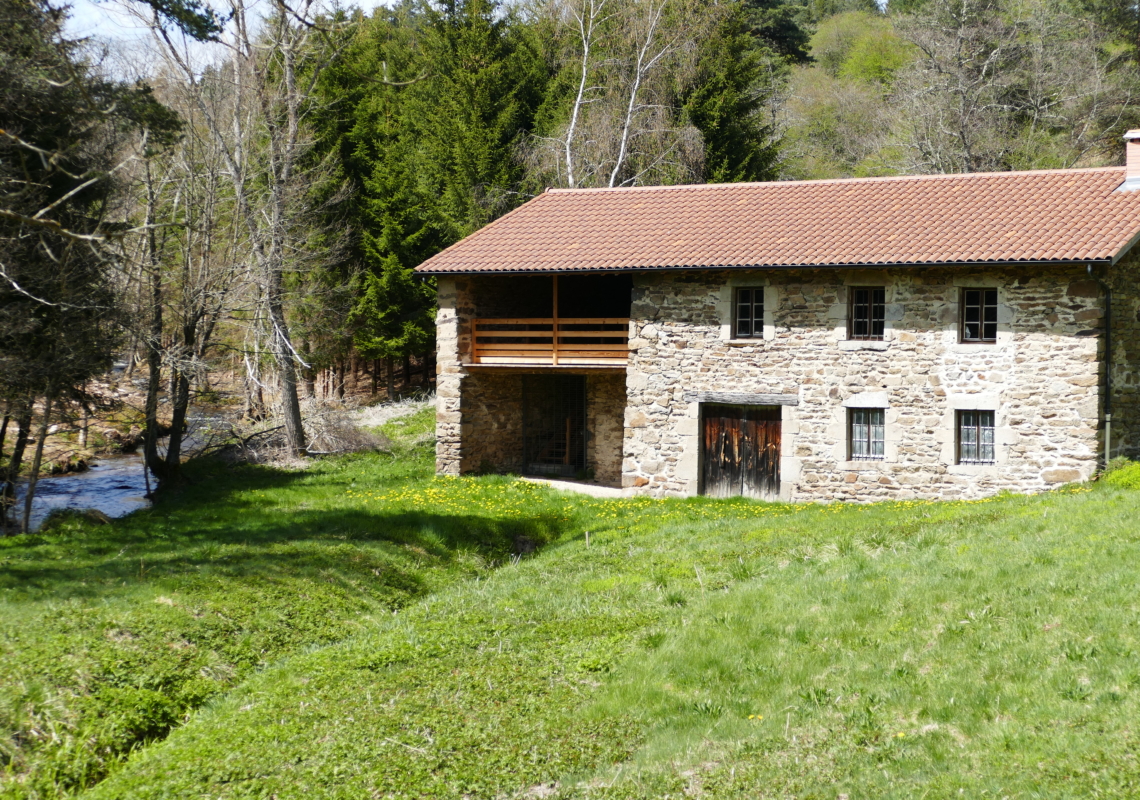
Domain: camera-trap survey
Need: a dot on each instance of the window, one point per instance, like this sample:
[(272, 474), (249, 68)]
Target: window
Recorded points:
[(867, 312), (866, 433), (975, 437), (749, 322), (979, 315)]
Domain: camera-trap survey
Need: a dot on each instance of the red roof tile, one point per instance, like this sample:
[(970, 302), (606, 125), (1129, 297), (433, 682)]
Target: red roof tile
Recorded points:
[(1053, 215)]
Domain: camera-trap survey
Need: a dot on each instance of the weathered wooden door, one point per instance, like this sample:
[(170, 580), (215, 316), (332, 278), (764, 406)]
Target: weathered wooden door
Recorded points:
[(741, 451)]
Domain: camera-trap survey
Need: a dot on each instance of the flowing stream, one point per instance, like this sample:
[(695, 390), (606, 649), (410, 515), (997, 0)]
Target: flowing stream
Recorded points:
[(113, 484)]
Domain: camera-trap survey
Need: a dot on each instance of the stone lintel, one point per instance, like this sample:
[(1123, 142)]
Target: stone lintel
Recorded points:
[(743, 398)]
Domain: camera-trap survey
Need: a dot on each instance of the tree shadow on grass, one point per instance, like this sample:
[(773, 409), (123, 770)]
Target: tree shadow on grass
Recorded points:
[(206, 529)]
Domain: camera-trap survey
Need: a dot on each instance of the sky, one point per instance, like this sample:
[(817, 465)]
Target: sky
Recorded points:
[(111, 19)]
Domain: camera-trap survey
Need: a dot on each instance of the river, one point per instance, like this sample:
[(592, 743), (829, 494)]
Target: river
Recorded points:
[(113, 484)]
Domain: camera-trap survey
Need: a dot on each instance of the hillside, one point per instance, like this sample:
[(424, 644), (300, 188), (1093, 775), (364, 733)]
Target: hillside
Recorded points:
[(363, 629)]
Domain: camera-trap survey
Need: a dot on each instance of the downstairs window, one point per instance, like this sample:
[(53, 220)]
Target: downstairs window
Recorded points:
[(975, 437)]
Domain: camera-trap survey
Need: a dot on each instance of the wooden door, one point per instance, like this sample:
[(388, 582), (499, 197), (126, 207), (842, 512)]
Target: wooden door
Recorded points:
[(741, 451)]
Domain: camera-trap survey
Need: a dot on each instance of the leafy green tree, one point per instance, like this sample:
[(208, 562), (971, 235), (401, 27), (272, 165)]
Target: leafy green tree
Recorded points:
[(428, 150), (61, 129), (1122, 17), (393, 317), (727, 103), (781, 25), (472, 112)]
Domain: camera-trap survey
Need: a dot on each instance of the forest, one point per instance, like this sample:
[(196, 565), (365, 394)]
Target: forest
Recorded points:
[(232, 206)]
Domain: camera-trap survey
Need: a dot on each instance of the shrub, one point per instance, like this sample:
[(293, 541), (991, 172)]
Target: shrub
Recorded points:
[(1123, 476)]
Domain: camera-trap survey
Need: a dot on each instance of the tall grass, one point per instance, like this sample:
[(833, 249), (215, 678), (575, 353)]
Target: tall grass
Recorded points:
[(363, 629)]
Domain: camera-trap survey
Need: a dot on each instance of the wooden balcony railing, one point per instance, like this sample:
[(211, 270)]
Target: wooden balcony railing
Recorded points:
[(571, 341)]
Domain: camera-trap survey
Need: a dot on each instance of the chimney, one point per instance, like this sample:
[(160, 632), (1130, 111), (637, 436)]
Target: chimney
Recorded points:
[(1132, 156)]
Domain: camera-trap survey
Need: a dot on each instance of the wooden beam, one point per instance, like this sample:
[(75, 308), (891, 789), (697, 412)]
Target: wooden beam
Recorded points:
[(554, 323)]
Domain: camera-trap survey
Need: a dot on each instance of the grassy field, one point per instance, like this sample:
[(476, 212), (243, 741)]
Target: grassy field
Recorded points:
[(364, 630)]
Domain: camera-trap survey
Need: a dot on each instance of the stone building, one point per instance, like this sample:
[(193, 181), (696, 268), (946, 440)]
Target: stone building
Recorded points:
[(919, 337)]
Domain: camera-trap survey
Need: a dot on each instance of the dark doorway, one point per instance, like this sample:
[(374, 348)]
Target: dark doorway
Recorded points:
[(554, 425), (740, 451)]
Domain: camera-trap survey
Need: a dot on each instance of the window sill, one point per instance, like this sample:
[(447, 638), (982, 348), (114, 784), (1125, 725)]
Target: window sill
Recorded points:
[(743, 342), (973, 469), (863, 344), (863, 465), (970, 348)]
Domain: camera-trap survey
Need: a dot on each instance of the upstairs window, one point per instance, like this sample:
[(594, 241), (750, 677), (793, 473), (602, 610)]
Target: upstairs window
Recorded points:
[(979, 315), (866, 433), (749, 321), (867, 313), (975, 437)]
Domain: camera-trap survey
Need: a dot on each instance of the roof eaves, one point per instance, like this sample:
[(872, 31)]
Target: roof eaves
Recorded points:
[(834, 265), (1123, 251)]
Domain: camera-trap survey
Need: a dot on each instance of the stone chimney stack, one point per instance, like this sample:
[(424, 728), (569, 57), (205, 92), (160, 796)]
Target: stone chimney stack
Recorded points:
[(1132, 156)]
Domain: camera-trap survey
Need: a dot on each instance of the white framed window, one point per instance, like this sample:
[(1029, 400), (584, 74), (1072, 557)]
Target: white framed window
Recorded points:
[(975, 437), (748, 313), (866, 434)]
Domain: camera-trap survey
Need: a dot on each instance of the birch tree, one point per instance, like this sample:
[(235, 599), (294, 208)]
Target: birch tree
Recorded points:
[(260, 131), (630, 68)]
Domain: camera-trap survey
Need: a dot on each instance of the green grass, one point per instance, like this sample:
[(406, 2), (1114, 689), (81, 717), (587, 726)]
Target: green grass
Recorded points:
[(382, 639), (109, 636)]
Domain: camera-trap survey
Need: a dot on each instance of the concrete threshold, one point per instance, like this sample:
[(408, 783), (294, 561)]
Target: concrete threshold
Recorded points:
[(592, 489)]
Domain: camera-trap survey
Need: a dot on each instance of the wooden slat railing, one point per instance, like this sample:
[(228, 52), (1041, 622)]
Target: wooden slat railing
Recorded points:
[(567, 341)]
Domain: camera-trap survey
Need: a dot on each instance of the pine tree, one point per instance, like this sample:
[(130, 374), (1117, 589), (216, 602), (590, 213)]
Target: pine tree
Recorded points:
[(474, 111), (726, 105)]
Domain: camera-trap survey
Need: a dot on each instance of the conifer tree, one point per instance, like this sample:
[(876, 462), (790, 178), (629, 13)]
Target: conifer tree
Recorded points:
[(726, 104)]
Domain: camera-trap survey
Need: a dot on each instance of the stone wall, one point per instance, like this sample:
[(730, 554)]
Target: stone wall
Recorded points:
[(1041, 378), (605, 411), (451, 326), (1124, 278), (479, 413), (492, 422)]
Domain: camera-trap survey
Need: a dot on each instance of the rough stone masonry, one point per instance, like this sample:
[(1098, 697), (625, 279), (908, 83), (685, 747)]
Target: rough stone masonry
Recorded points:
[(1042, 379)]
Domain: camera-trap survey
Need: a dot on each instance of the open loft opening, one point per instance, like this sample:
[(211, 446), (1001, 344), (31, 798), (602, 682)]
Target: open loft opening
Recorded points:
[(552, 320)]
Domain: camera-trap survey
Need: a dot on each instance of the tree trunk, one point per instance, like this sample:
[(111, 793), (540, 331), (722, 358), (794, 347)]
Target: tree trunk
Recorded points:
[(37, 459), (407, 372), (180, 402), (391, 380), (4, 432), (153, 342), (154, 381), (309, 377), (84, 424), (8, 491), (286, 368), (375, 373)]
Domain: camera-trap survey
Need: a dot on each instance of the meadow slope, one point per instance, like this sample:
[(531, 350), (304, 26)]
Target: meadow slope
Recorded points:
[(388, 634)]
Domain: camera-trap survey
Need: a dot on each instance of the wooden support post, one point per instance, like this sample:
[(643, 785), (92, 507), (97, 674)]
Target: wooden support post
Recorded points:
[(474, 341), (566, 455), (554, 326)]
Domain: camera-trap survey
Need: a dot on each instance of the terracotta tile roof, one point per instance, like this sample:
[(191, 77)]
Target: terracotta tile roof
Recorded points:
[(1050, 215)]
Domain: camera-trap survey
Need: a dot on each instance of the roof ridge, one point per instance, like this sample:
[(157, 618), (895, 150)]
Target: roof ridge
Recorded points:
[(826, 181)]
